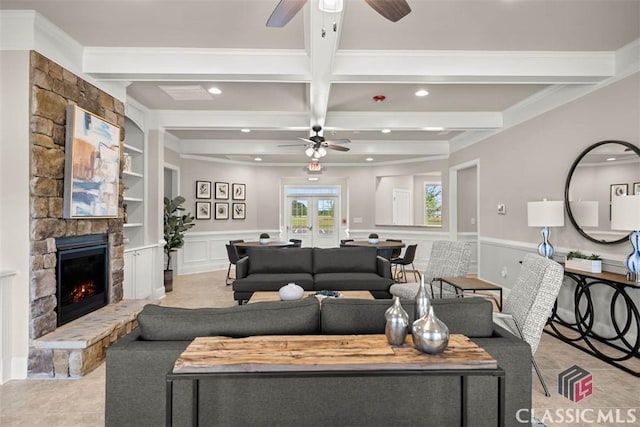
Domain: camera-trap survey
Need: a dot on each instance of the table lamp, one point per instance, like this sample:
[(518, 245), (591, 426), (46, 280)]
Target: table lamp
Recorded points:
[(625, 215), (545, 214)]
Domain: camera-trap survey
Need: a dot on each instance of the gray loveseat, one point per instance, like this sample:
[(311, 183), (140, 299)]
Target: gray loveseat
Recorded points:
[(137, 365), (336, 269)]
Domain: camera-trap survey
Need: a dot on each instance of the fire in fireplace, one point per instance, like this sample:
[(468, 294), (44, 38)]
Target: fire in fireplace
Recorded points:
[(82, 275)]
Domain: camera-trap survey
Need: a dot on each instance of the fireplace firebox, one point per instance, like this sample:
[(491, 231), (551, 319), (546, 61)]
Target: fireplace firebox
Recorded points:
[(82, 275)]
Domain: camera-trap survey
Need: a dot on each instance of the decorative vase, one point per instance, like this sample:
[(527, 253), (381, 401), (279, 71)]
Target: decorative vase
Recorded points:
[(422, 300), (373, 241), (397, 323), (430, 334), (264, 241), (290, 292)]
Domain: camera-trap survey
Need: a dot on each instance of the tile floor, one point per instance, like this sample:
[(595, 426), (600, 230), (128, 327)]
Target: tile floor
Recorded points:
[(80, 402)]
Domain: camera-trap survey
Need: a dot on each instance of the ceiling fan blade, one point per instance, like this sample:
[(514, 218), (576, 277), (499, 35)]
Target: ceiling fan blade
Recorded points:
[(308, 141), (393, 10), (336, 147), (284, 12), (338, 141), (291, 145)]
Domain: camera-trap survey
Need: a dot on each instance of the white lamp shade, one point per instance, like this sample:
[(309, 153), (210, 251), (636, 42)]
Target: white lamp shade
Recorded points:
[(585, 213), (545, 213), (625, 213)]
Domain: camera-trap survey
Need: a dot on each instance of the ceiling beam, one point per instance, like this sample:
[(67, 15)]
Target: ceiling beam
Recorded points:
[(473, 66), (323, 43)]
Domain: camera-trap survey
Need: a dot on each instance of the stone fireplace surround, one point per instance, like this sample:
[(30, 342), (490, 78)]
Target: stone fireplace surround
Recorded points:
[(55, 352)]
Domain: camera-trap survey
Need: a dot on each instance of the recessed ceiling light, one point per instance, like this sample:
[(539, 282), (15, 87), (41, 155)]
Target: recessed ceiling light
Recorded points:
[(433, 128), (610, 159), (369, 159), (258, 159), (245, 130), (313, 178), (386, 131), (214, 91), (422, 92)]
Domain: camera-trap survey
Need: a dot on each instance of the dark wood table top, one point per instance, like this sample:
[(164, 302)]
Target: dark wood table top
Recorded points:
[(382, 244), (270, 244), (605, 275)]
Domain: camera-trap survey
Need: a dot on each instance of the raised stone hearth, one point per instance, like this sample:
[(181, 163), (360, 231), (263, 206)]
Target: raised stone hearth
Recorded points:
[(75, 349)]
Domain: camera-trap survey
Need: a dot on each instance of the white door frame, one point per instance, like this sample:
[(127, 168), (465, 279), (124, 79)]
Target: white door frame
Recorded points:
[(313, 196), (453, 204)]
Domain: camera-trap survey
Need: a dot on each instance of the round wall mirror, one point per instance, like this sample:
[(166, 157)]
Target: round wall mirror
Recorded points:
[(602, 171)]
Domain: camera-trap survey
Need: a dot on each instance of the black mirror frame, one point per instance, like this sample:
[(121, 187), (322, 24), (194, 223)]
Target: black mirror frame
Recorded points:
[(567, 207)]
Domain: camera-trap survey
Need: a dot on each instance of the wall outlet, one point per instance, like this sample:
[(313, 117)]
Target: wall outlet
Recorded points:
[(473, 221), (502, 209)]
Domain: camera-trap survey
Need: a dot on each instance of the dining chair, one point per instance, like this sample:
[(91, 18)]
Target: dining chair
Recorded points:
[(297, 243), (395, 253), (447, 259), (402, 262), (242, 252), (232, 254)]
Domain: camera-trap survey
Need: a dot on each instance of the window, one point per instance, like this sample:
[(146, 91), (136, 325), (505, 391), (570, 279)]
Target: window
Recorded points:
[(433, 204)]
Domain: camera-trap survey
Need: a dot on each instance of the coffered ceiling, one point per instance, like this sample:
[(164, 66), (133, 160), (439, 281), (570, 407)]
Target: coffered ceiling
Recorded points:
[(485, 64)]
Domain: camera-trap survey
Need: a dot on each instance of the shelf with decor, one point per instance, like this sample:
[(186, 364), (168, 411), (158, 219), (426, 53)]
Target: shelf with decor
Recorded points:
[(133, 176)]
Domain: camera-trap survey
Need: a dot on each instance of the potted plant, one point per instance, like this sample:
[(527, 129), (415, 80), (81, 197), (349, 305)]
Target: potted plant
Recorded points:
[(175, 224), (264, 238), (373, 238), (580, 261)]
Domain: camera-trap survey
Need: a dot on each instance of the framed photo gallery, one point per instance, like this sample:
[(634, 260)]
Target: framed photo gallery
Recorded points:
[(235, 192)]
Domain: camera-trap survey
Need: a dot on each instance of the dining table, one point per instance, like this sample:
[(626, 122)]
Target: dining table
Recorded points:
[(384, 247), (269, 244)]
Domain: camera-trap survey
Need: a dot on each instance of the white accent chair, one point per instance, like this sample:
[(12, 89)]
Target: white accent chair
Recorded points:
[(530, 302), (447, 259)]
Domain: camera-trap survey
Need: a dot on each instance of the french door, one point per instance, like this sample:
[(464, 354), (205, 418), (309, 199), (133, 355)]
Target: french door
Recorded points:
[(313, 218)]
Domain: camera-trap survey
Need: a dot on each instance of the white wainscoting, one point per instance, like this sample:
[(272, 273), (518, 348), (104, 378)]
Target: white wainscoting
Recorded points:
[(205, 251), (6, 280)]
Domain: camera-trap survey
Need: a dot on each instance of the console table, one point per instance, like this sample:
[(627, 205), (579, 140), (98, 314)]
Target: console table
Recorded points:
[(617, 349), (330, 357)]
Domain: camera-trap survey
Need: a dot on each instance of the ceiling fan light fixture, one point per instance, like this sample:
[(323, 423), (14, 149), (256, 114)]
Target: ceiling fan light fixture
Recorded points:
[(331, 6), (322, 151), (309, 151)]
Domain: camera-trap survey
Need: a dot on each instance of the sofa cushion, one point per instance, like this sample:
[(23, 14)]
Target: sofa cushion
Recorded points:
[(274, 260), (340, 260), (349, 281), (272, 282), (158, 323), (467, 316)]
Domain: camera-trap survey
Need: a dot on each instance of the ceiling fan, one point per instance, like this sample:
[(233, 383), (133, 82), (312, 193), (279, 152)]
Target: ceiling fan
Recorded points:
[(393, 10), (317, 145)]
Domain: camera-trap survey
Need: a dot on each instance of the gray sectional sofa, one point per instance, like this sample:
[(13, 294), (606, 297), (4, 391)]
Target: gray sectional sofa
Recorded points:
[(137, 365), (336, 269)]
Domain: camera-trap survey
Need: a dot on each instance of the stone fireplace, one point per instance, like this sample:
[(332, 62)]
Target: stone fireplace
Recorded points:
[(52, 89)]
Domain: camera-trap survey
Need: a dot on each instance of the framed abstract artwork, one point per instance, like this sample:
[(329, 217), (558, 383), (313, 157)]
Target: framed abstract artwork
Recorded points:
[(203, 189), (222, 190), (222, 211), (92, 166), (238, 211), (203, 210)]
